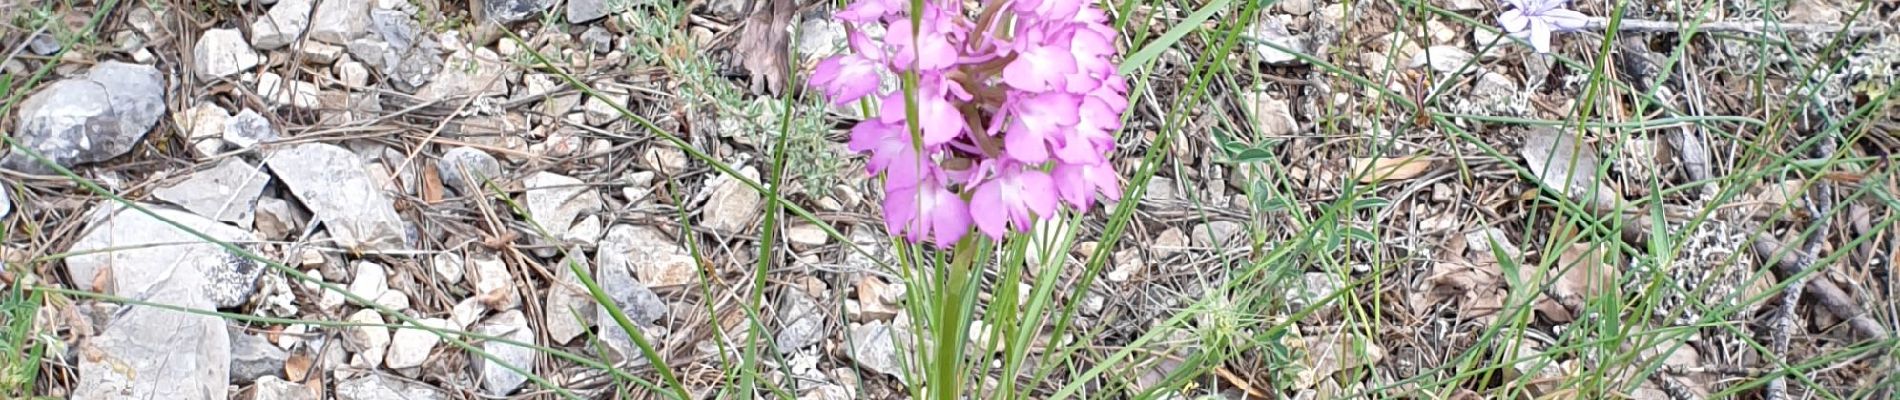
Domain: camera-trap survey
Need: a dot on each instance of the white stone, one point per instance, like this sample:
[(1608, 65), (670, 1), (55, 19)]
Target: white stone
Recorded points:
[(600, 112), (410, 346), (1272, 30), (371, 281), (281, 25), (338, 21), (227, 192), (493, 282), (370, 342), (222, 53), (570, 308), (556, 201), (144, 254), (353, 74), (320, 53), (202, 122), (512, 325), (448, 267), (331, 181), (280, 92), (1444, 59), (151, 353), (247, 129), (733, 206)]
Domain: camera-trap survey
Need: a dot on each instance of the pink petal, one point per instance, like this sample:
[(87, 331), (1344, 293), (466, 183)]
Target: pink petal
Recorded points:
[(1039, 69), (986, 208), (950, 219)]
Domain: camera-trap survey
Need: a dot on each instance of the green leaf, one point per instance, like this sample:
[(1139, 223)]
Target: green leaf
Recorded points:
[(1252, 155), (1153, 49)]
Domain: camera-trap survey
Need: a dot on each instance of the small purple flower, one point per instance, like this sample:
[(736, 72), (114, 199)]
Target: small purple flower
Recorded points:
[(1015, 196), (1078, 183), (1038, 119), (1535, 20), (850, 76), (927, 208)]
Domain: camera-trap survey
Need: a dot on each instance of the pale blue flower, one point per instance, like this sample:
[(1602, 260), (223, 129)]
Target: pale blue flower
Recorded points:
[(1534, 20)]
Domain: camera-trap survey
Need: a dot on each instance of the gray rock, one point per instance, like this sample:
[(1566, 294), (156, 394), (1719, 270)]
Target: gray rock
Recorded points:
[(873, 348), (804, 322), (584, 11), (340, 21), (43, 44), (730, 10), (806, 236), (1461, 5), (410, 347), (248, 128), (733, 207), (498, 380), (332, 182), (281, 25), (379, 387), (77, 121), (204, 127), (449, 267), (555, 201), (221, 53), (274, 388), (152, 353), (254, 357), (1214, 234), (478, 72), (138, 269), (600, 111), (492, 281), (597, 39), (227, 192), (1272, 117), (1444, 59), (1296, 7), (319, 53), (353, 74), (641, 306), (512, 11), (662, 261), (819, 38), (399, 50), (277, 91), (276, 218), (570, 309), (6, 201), (1272, 30), (370, 340)]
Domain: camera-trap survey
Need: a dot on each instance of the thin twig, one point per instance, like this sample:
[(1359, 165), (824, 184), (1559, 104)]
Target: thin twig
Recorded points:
[(1631, 25), (1820, 204)]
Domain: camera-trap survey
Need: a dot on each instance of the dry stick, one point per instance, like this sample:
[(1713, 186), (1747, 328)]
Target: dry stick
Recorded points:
[(1820, 204), (1630, 25)]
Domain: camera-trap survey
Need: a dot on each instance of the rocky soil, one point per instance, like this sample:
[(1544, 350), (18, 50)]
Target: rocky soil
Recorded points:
[(383, 170)]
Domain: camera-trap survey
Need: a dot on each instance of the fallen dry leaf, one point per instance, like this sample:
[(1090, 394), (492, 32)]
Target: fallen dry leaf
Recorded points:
[(1332, 352), (1564, 164), (432, 190), (1371, 170), (762, 49), (1580, 275)]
